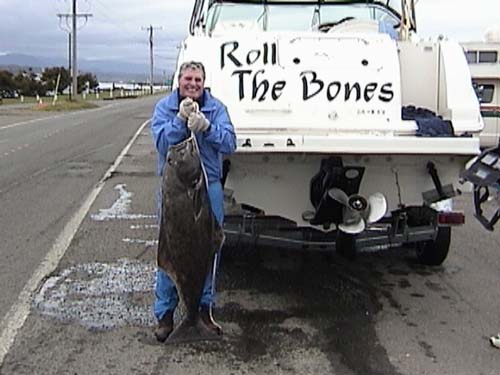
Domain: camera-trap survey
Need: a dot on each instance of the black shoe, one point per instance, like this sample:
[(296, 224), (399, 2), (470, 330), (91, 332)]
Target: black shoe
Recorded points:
[(165, 327), (207, 319)]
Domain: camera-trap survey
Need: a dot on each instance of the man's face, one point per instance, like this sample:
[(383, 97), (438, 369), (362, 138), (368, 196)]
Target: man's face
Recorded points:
[(191, 83)]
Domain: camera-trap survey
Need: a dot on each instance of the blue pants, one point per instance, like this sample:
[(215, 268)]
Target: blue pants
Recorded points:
[(165, 291)]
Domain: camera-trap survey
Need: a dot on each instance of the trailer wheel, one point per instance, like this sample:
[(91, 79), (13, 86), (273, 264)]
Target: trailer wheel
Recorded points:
[(345, 245), (434, 252)]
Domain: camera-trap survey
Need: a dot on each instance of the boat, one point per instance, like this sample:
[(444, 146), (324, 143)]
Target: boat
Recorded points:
[(352, 130)]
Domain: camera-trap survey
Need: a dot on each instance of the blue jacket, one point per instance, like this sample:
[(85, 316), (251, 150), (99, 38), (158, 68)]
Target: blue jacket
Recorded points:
[(219, 139)]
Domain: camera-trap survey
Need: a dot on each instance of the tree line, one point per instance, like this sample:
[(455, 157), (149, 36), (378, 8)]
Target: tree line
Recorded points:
[(28, 83)]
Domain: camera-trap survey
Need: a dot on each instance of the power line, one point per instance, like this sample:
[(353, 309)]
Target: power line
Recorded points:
[(104, 11), (151, 54)]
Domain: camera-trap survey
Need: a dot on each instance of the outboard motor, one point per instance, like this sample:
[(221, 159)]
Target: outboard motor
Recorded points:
[(332, 174), (334, 195)]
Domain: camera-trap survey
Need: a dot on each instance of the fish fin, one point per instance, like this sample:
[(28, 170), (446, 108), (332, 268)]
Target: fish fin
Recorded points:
[(166, 266), (191, 331), (162, 258), (197, 204), (198, 196)]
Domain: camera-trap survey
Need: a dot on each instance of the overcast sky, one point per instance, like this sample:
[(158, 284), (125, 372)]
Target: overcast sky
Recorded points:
[(115, 30)]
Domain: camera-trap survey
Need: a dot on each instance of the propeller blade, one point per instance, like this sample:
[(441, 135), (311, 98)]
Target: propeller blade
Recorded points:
[(353, 228), (339, 196), (377, 207)]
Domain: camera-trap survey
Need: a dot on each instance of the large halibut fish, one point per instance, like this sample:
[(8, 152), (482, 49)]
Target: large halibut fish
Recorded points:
[(189, 235)]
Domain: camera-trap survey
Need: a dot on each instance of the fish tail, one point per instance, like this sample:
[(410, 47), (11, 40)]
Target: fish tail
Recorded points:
[(192, 330)]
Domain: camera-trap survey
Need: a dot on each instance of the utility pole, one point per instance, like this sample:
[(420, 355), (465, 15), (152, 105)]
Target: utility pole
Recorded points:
[(151, 55), (72, 45), (74, 76), (69, 63)]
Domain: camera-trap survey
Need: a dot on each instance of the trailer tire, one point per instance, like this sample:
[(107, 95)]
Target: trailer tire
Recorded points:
[(434, 252)]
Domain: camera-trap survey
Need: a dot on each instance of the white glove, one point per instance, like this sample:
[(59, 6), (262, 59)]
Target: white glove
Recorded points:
[(186, 107), (197, 122)]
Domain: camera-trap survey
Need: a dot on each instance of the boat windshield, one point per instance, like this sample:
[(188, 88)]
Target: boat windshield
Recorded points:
[(296, 17)]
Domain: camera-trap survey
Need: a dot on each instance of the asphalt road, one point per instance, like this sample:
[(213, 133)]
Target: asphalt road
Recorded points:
[(48, 163), (282, 312)]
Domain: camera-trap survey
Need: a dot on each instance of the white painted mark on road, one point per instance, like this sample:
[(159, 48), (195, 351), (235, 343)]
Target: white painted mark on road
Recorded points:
[(15, 125), (146, 226), (15, 149), (114, 295), (119, 209), (30, 122), (17, 314), (146, 243)]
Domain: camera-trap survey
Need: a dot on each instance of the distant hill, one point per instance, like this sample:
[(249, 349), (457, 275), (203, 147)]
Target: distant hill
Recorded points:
[(19, 68), (105, 70)]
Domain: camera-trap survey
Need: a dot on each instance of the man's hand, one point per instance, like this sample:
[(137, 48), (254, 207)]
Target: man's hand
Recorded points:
[(197, 122), (186, 108)]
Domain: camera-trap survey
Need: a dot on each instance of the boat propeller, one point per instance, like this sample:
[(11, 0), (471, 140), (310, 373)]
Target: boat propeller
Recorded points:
[(359, 211)]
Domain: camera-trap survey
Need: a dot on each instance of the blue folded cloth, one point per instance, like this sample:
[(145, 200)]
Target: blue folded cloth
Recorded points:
[(428, 123)]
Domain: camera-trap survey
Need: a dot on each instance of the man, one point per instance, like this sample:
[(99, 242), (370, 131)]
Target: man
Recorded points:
[(191, 108)]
